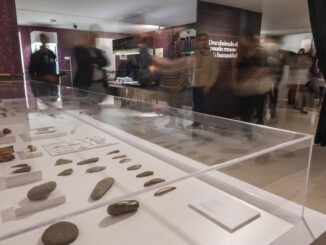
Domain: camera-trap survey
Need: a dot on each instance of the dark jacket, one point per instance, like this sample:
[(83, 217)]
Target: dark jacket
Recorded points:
[(42, 63), (84, 75)]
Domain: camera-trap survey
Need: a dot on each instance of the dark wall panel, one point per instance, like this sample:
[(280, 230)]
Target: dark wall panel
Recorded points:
[(226, 24)]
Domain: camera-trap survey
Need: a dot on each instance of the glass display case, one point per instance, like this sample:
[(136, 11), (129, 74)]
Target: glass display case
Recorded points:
[(69, 156)]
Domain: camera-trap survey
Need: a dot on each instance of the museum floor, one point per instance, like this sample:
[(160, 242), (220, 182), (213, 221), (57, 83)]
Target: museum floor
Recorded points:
[(296, 121)]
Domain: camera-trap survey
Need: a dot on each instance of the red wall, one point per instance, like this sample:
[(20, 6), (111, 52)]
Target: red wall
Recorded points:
[(9, 44)]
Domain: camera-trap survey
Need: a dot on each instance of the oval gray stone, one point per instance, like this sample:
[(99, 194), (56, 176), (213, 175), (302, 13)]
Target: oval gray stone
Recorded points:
[(125, 160), (113, 152), (101, 188), (145, 174), (66, 172), (63, 161), (119, 156), (41, 192), (61, 233), (154, 181), (23, 165), (95, 169), (123, 207), (22, 170), (88, 161), (164, 190), (134, 167)]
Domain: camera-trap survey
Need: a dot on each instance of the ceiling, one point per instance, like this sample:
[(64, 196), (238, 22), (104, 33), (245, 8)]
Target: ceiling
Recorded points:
[(114, 15), (127, 16)]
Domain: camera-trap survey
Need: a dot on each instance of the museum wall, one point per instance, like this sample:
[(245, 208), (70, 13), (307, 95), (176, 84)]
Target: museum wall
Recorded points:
[(10, 64), (225, 27), (67, 39)]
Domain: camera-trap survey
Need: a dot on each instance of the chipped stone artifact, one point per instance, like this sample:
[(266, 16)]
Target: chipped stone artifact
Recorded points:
[(61, 233), (6, 131), (145, 174), (22, 170), (123, 207), (101, 188), (41, 192), (113, 152), (31, 148), (6, 154), (95, 169), (6, 150), (7, 158), (164, 190), (134, 167), (125, 160), (88, 161), (119, 156), (23, 165), (63, 161), (66, 172), (154, 181)]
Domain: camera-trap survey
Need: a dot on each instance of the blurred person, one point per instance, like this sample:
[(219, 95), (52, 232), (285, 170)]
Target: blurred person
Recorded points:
[(43, 68), (275, 64), (91, 61), (250, 78), (141, 67), (205, 71), (173, 81), (290, 61), (301, 77)]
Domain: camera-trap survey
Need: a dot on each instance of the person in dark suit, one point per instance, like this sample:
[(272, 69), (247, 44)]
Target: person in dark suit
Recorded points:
[(43, 70), (90, 74)]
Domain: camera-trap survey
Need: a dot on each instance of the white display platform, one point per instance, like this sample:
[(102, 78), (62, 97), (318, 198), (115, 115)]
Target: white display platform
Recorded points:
[(25, 154), (34, 134), (25, 206), (227, 212), (8, 180), (7, 139)]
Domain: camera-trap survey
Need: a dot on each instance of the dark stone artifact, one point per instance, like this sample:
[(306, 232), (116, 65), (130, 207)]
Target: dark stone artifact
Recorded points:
[(125, 160), (41, 192), (119, 156), (7, 158), (101, 188), (113, 152), (153, 182), (134, 167), (145, 174), (164, 190), (88, 161), (22, 170), (95, 169), (123, 207), (23, 165), (6, 131), (66, 172), (61, 233), (63, 161)]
